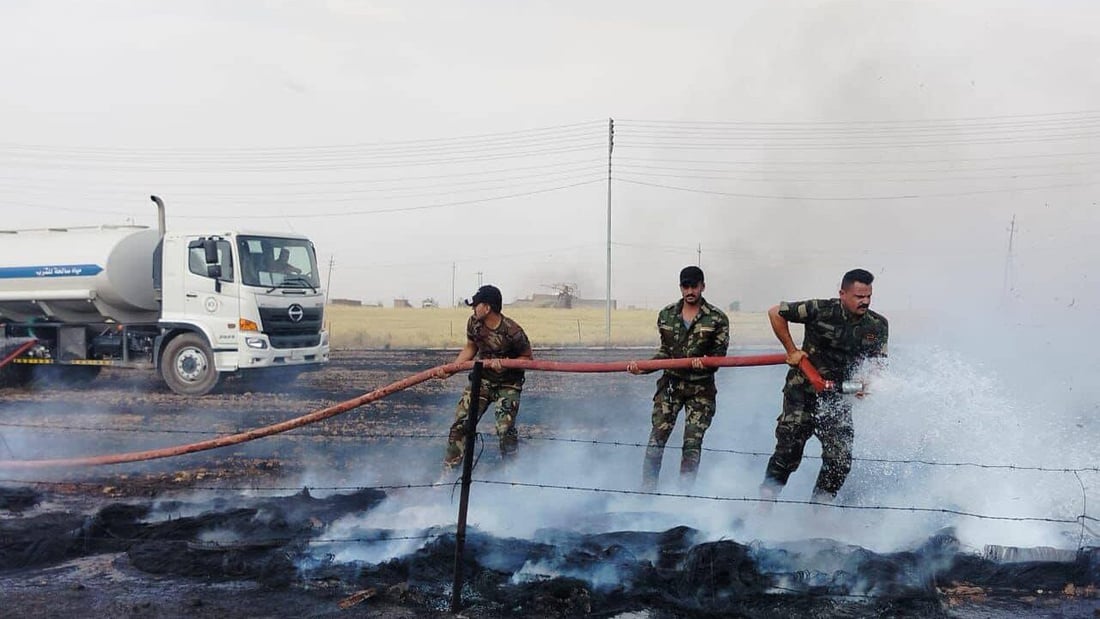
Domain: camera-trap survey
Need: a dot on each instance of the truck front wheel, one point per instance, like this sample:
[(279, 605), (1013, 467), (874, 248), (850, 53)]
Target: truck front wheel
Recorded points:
[(188, 365)]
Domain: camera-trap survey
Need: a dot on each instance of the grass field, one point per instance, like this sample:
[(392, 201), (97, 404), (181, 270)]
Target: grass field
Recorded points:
[(376, 327)]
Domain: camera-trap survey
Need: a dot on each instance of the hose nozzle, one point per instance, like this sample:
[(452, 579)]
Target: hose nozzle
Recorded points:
[(851, 386), (821, 385)]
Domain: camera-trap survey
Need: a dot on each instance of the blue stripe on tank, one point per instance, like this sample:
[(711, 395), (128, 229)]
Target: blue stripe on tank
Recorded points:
[(51, 270)]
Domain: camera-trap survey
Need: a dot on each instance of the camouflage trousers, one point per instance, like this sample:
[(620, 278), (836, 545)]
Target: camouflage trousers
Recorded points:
[(697, 400), (507, 407), (806, 414)]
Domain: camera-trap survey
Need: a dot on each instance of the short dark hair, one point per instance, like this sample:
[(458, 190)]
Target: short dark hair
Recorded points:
[(690, 275), (490, 295), (856, 275)]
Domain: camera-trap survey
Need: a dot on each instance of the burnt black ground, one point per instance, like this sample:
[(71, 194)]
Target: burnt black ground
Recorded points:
[(186, 537)]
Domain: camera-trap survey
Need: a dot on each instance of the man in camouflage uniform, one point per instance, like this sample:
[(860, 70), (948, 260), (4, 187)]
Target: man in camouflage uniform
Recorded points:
[(839, 335), (691, 327), (490, 336)]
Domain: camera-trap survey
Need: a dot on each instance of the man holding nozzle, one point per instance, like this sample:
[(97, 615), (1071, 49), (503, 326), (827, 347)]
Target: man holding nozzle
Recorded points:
[(840, 334)]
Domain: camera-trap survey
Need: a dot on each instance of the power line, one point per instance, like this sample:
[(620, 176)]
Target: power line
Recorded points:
[(353, 195), (509, 136), (89, 184), (351, 213), (303, 157), (314, 166), (833, 179), (960, 119), (859, 133), (829, 171), (868, 162), (809, 198), (403, 209), (769, 144)]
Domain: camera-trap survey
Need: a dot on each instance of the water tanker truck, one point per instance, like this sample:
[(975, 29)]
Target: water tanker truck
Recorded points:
[(191, 306)]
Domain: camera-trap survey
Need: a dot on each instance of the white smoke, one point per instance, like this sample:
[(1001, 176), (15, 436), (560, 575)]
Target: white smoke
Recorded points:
[(953, 411)]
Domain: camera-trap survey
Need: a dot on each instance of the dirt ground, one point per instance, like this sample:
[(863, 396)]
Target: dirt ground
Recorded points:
[(126, 411), (153, 540)]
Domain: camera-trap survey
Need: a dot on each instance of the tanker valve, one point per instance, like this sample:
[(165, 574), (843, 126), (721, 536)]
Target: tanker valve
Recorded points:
[(39, 352)]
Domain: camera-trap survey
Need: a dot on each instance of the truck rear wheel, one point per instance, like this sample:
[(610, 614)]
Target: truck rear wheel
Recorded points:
[(188, 365)]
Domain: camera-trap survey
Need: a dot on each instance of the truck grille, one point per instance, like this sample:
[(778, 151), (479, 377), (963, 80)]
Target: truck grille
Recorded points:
[(294, 341), (286, 333)]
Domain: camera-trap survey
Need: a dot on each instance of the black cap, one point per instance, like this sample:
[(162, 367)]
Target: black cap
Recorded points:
[(689, 276), (487, 294)]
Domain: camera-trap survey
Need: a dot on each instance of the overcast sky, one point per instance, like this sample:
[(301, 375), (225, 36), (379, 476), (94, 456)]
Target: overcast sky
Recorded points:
[(420, 143)]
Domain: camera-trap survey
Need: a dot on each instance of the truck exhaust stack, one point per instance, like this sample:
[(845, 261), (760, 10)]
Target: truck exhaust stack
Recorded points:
[(160, 214)]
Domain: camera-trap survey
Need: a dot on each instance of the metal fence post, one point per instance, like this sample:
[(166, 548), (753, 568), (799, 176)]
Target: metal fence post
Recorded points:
[(467, 470)]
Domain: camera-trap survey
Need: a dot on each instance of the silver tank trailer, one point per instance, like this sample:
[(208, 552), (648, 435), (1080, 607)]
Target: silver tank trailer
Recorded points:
[(79, 275)]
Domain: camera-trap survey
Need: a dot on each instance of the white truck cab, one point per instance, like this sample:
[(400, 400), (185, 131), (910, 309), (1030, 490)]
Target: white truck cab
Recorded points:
[(193, 306)]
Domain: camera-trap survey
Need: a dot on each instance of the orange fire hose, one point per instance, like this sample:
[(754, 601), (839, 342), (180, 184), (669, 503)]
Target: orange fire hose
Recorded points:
[(331, 411)]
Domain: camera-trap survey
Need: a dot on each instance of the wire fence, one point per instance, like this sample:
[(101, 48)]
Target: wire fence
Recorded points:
[(780, 582), (563, 439), (1080, 519), (329, 432)]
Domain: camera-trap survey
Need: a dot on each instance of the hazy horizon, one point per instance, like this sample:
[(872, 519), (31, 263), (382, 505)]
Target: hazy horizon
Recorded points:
[(430, 145)]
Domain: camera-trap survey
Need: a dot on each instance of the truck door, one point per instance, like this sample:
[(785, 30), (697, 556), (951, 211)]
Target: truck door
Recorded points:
[(211, 289)]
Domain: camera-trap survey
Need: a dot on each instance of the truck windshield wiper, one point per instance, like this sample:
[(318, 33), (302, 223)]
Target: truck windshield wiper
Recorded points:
[(298, 279)]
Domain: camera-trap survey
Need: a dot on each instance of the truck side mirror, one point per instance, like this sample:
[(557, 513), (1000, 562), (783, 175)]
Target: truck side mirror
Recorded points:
[(210, 248), (214, 272)]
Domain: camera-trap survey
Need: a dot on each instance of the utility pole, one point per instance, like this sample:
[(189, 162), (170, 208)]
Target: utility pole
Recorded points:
[(454, 300), (1009, 285), (699, 255), (610, 149), (328, 279), (479, 274)]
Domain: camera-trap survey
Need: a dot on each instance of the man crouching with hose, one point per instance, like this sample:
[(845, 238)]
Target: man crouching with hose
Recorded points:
[(490, 336)]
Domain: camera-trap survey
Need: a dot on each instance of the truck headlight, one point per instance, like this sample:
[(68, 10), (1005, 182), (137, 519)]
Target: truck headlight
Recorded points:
[(256, 342)]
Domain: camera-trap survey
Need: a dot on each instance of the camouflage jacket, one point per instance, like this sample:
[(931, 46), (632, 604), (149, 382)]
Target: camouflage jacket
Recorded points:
[(507, 341), (707, 336), (837, 341)]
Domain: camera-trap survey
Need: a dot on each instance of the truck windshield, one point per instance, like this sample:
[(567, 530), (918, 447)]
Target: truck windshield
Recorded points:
[(277, 262)]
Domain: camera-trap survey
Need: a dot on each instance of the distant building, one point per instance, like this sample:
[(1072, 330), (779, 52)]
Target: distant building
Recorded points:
[(555, 300), (401, 303), (352, 302)]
